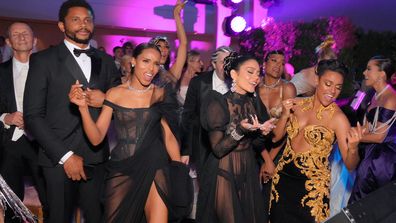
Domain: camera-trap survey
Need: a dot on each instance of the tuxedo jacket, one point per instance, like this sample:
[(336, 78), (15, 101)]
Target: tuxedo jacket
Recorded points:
[(7, 96), (195, 139), (50, 117)]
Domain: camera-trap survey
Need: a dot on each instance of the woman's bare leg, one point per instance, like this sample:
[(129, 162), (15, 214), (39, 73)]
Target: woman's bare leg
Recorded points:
[(155, 209)]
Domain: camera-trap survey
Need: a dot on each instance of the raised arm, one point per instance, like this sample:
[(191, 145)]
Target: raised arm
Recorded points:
[(177, 67), (95, 132), (280, 129), (348, 139)]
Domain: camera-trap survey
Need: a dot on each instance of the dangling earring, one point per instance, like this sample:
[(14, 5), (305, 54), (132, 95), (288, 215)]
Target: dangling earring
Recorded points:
[(233, 86), (133, 65)]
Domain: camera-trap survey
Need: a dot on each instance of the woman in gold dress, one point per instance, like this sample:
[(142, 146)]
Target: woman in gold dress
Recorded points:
[(301, 184)]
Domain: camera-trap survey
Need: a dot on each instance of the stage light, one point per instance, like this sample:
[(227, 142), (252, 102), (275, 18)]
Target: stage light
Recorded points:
[(231, 3), (233, 25)]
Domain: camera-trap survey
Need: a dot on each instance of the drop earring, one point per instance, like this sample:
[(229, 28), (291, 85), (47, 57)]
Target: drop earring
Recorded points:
[(233, 84)]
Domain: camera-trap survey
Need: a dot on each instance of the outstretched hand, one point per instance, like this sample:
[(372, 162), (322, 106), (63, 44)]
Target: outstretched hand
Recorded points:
[(265, 127), (354, 136), (247, 126), (77, 95), (268, 126)]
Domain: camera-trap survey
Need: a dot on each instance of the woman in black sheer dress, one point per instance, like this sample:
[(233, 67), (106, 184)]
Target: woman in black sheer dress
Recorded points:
[(229, 186), (140, 172)]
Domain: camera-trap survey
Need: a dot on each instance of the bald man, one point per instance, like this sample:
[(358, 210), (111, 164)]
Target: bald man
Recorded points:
[(20, 153)]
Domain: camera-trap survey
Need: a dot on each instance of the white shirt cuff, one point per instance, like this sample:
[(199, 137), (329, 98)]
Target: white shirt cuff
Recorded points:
[(65, 157), (2, 120)]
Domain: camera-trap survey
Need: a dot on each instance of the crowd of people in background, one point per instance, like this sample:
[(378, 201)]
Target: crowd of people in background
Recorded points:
[(251, 138)]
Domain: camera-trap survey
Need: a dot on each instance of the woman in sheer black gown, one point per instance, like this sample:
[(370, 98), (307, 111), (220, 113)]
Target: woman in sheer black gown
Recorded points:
[(139, 173), (229, 186)]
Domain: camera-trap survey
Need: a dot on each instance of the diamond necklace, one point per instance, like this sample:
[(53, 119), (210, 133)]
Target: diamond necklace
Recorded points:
[(376, 96), (271, 85), (140, 91)]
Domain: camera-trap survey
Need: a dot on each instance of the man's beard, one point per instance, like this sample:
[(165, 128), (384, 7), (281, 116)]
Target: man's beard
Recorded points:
[(73, 36)]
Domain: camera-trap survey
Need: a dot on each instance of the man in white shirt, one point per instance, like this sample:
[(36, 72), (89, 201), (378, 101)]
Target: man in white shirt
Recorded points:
[(73, 168), (195, 143), (20, 153)]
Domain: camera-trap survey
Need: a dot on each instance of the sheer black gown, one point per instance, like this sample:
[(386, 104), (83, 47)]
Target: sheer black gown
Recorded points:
[(140, 158), (229, 186)]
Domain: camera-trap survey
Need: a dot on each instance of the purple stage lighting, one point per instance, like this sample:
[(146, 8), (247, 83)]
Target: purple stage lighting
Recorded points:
[(233, 25), (231, 3)]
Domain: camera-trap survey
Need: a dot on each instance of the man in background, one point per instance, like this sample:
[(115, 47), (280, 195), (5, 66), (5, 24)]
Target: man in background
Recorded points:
[(20, 152)]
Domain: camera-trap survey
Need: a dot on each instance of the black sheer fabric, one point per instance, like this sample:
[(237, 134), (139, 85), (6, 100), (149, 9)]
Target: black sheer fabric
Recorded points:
[(229, 186), (140, 158)]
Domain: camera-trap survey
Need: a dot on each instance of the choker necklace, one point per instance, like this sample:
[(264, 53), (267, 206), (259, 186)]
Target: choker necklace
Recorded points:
[(272, 85), (376, 96), (140, 91)]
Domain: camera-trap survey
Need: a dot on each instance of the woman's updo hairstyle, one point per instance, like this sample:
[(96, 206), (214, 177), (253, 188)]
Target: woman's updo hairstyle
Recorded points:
[(325, 50), (384, 64), (233, 62), (331, 65)]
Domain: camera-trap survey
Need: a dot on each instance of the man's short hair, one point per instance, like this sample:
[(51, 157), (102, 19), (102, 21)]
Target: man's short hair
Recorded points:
[(64, 9)]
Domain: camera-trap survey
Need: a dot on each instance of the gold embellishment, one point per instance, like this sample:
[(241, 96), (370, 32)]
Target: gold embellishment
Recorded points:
[(307, 104), (314, 164)]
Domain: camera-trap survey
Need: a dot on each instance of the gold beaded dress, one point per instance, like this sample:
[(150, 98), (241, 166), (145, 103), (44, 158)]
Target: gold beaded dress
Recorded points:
[(301, 184)]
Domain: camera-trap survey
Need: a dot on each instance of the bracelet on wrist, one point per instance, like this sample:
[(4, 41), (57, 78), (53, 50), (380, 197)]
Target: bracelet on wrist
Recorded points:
[(235, 135)]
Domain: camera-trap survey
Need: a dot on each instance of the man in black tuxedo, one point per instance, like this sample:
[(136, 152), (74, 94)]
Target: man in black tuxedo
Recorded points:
[(20, 152), (196, 145), (73, 168)]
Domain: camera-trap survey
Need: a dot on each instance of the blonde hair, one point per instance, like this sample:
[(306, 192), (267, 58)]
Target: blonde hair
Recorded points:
[(325, 50)]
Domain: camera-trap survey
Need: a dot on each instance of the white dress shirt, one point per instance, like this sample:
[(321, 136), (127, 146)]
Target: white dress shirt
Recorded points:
[(218, 84), (19, 75), (83, 60)]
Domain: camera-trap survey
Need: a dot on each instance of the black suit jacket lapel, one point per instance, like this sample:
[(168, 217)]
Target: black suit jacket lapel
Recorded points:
[(71, 65), (10, 88), (8, 84), (96, 66), (206, 85)]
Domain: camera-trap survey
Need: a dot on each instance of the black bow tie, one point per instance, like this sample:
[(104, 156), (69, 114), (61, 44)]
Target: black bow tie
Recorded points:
[(89, 52)]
